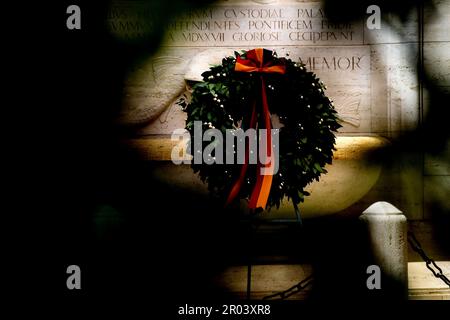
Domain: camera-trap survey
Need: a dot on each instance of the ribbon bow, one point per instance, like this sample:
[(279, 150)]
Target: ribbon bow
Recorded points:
[(258, 61)]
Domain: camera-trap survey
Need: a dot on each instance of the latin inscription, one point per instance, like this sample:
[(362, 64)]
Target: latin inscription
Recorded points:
[(300, 24)]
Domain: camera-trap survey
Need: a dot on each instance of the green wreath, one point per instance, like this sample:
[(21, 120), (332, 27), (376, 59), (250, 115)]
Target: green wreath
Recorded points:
[(307, 116)]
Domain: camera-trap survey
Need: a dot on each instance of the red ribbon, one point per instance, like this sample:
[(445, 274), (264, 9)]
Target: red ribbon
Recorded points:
[(255, 63)]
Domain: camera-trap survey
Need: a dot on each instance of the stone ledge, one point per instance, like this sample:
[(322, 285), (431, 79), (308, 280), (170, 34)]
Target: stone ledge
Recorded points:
[(343, 179), (423, 285), (270, 279), (159, 148)]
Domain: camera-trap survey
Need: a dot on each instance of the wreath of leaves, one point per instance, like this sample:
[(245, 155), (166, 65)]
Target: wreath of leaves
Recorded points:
[(307, 116)]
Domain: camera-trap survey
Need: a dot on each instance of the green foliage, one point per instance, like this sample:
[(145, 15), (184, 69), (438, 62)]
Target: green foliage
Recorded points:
[(308, 117)]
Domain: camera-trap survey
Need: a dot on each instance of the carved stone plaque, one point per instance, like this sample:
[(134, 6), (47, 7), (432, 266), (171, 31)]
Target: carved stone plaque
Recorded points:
[(196, 39), (270, 25)]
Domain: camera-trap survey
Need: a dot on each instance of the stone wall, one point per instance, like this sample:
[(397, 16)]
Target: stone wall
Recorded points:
[(372, 75), (437, 63)]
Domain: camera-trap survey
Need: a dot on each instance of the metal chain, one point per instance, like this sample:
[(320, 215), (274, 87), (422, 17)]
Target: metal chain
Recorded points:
[(292, 290), (416, 246), (430, 263), (299, 286)]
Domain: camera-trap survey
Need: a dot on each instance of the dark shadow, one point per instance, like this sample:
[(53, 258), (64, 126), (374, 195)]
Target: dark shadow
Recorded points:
[(164, 242)]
